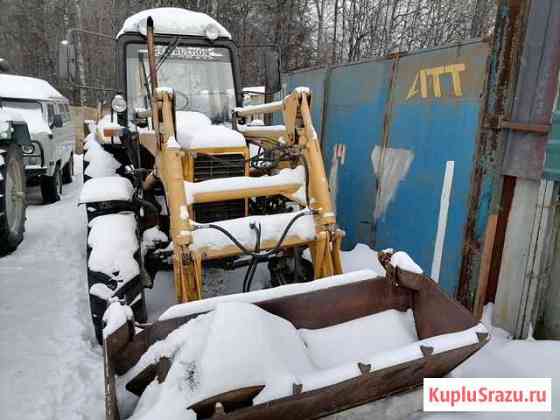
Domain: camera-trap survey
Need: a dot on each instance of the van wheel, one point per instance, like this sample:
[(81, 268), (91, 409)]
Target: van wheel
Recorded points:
[(68, 171), (12, 199), (51, 186)]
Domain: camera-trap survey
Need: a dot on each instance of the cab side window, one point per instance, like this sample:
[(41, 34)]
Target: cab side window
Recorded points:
[(67, 112), (50, 114)]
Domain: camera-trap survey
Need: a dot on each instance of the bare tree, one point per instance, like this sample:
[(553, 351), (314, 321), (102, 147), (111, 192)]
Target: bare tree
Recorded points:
[(305, 32)]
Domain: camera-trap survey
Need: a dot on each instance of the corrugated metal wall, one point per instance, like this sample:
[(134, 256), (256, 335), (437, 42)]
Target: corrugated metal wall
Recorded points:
[(399, 137)]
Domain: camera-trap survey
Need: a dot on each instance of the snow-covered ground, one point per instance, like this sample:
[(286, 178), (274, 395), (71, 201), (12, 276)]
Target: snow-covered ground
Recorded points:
[(52, 367)]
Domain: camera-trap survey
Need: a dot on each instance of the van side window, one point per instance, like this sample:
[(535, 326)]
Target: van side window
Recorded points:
[(60, 110), (67, 112), (50, 114)]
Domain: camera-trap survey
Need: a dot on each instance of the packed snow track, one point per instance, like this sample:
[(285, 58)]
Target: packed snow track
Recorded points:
[(51, 366)]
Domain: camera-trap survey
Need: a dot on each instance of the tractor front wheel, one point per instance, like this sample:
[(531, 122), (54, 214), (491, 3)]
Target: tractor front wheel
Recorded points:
[(12, 199), (68, 170), (51, 186)]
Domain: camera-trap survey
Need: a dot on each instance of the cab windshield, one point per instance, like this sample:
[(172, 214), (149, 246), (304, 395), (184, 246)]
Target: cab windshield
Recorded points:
[(202, 78)]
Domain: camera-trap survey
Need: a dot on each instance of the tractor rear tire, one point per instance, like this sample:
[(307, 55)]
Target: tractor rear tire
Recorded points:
[(132, 291), (68, 170), (12, 199), (98, 306), (51, 186)]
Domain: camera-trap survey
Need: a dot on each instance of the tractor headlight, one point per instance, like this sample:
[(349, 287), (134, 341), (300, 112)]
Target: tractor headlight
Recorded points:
[(118, 104), (212, 32)]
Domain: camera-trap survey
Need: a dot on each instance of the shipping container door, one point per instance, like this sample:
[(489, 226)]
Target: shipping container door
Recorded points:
[(424, 173), (357, 96)]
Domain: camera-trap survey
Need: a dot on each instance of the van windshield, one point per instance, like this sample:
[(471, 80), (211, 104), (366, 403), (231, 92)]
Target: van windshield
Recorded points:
[(30, 112), (202, 78)]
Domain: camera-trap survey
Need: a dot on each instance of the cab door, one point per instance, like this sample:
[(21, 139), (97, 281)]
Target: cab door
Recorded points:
[(62, 132), (66, 132)]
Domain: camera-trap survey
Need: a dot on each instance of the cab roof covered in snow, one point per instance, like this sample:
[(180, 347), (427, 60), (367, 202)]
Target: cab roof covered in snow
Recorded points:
[(23, 87), (175, 21)]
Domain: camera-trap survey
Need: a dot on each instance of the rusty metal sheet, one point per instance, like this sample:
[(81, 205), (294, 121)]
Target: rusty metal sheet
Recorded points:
[(535, 91)]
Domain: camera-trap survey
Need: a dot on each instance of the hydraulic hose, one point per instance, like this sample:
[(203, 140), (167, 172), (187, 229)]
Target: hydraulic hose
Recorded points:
[(243, 248)]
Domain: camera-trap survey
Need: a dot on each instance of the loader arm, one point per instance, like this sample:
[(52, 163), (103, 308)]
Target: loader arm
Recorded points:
[(262, 237), (300, 134)]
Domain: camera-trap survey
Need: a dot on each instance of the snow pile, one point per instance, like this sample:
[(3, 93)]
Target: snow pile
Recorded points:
[(254, 89), (257, 128), (106, 123), (441, 343), (188, 121), (286, 176), (107, 188), (209, 136), (227, 356), (402, 260), (174, 21), (151, 238), (190, 308), (269, 353), (272, 228), (101, 162), (22, 87), (172, 143), (387, 330), (101, 291), (360, 258), (116, 316), (326, 377), (504, 357), (161, 90), (217, 353), (113, 243), (303, 89), (30, 112)]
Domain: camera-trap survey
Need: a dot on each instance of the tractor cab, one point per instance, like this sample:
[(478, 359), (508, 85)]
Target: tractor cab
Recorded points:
[(195, 57)]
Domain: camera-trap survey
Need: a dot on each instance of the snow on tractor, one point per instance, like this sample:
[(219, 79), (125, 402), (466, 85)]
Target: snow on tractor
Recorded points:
[(177, 178)]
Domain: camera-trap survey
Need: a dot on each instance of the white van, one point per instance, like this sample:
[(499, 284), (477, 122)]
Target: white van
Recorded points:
[(47, 113)]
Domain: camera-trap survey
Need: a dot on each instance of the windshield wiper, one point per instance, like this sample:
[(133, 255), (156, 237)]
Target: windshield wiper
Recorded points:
[(144, 81), (168, 51)]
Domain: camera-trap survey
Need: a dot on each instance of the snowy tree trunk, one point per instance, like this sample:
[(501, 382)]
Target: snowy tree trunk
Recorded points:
[(80, 57)]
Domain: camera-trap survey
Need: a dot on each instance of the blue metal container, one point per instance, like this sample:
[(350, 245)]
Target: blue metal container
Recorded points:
[(399, 137)]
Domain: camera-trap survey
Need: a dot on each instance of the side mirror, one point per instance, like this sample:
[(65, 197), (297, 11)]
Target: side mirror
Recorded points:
[(57, 121), (272, 79), (4, 66), (66, 61)]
